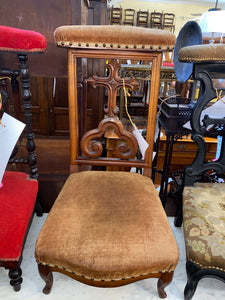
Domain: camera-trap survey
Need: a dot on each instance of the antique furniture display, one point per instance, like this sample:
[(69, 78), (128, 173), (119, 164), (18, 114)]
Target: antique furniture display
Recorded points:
[(141, 18), (19, 190), (108, 228), (203, 200)]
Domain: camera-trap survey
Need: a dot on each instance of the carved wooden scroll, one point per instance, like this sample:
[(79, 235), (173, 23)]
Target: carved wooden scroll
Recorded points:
[(125, 149)]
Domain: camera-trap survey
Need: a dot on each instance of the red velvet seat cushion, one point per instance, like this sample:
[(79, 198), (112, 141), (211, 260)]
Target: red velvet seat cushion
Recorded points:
[(19, 40), (17, 201)]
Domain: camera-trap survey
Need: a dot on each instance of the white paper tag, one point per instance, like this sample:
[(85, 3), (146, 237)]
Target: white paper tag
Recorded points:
[(143, 145), (9, 134)]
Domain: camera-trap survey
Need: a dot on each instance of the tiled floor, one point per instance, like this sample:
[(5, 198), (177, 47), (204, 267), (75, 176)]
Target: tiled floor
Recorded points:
[(66, 288)]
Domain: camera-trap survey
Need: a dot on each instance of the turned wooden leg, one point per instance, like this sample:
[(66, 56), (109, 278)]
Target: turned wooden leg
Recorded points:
[(15, 278), (165, 280), (46, 275)]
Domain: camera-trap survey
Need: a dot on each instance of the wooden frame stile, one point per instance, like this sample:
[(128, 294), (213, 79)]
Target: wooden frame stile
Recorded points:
[(155, 57), (73, 109)]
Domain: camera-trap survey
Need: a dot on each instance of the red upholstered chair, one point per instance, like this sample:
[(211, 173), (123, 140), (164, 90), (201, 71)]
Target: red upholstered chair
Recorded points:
[(19, 190)]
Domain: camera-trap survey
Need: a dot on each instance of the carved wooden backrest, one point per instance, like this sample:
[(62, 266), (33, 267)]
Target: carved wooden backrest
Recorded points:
[(142, 18), (129, 16), (168, 21), (116, 15), (156, 19), (89, 148)]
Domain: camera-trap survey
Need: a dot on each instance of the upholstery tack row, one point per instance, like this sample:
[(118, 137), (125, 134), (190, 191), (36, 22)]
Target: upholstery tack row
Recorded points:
[(95, 279), (104, 45), (206, 267)]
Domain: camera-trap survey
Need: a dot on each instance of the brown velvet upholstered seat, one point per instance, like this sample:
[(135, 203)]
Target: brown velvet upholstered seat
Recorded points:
[(107, 234), (108, 228)]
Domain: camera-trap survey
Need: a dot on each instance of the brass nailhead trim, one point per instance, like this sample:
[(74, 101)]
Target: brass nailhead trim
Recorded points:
[(125, 46), (93, 279), (194, 59), (206, 267)]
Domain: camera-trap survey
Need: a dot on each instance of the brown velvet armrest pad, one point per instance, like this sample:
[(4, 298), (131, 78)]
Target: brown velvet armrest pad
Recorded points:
[(114, 36), (203, 53)]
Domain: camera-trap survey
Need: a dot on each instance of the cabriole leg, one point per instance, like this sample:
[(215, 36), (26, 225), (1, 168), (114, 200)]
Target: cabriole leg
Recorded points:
[(47, 276), (163, 282)]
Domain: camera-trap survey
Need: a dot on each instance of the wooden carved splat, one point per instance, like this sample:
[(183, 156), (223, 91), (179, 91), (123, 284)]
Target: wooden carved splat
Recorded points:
[(127, 146), (112, 82), (93, 148)]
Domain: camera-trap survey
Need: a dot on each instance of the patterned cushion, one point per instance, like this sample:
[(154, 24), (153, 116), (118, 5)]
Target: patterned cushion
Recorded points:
[(204, 224)]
